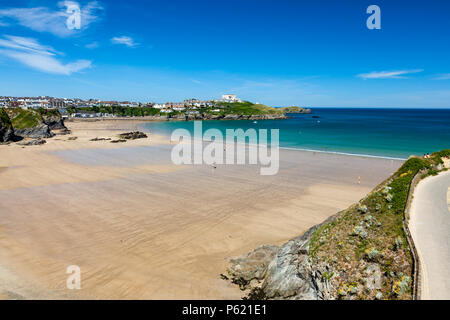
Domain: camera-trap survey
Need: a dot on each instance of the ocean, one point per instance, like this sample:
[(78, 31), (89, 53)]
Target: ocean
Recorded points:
[(391, 133)]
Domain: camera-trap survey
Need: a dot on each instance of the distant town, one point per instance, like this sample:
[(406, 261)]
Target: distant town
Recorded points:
[(79, 106)]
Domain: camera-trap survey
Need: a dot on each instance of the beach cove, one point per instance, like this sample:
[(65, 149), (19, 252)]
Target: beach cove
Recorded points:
[(140, 227)]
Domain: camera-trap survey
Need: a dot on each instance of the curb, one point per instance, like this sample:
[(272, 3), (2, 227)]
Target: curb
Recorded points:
[(417, 286)]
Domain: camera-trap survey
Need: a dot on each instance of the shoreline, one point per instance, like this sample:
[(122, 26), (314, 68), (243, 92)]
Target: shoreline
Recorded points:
[(140, 227), (362, 155)]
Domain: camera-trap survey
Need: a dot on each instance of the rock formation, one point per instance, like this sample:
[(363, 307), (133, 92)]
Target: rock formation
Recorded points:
[(6, 128), (133, 135), (207, 116), (34, 124), (286, 272)]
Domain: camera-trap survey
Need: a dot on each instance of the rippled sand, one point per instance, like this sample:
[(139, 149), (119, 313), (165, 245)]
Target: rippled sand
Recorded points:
[(142, 228)]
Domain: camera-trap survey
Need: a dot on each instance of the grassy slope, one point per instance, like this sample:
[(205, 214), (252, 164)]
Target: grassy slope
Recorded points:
[(49, 112), (22, 119), (356, 239), (248, 108), (239, 108), (4, 118), (292, 109)]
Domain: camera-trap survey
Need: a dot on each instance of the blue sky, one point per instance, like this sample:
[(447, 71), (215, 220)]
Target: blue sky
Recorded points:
[(308, 53)]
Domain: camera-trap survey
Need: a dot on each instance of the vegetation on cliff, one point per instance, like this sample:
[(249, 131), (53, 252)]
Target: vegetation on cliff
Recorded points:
[(6, 129), (23, 119), (118, 111), (366, 245), (4, 118), (30, 123), (248, 108), (294, 109), (221, 109), (361, 253)]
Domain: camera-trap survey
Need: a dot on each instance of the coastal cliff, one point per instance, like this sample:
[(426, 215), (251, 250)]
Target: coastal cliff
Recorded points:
[(363, 252), (34, 124), (221, 111), (294, 109), (6, 128), (207, 116)]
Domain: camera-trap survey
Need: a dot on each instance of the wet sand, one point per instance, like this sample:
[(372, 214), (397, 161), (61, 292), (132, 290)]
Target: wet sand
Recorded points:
[(140, 227)]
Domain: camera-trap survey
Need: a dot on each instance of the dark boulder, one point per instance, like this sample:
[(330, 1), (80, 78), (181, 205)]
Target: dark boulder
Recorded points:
[(133, 135), (32, 142), (53, 119), (36, 132)]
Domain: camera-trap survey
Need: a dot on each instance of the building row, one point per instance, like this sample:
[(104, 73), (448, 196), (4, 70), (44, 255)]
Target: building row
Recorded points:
[(62, 103)]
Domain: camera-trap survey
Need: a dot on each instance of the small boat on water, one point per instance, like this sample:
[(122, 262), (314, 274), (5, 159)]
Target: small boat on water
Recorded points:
[(255, 121), (315, 117)]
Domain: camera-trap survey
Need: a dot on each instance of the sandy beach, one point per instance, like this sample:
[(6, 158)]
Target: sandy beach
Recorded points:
[(140, 227)]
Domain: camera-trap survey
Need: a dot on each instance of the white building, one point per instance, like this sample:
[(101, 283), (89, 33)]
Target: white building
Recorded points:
[(230, 98)]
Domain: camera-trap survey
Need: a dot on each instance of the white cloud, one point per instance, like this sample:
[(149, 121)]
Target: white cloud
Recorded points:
[(26, 44), (43, 19), (93, 45), (444, 76), (128, 41), (43, 58), (399, 74)]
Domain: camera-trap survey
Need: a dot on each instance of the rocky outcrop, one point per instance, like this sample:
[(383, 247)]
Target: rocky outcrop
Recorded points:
[(32, 142), (286, 272), (207, 116), (36, 124), (6, 128), (40, 131), (294, 109), (133, 135), (53, 120)]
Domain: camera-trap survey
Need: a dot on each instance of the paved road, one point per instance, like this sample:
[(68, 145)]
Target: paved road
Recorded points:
[(430, 228)]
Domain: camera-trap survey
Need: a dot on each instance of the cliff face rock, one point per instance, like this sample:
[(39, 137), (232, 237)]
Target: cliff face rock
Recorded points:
[(133, 135), (6, 128), (254, 264), (286, 272), (362, 253), (207, 116), (39, 131), (35, 123), (294, 109), (53, 120)]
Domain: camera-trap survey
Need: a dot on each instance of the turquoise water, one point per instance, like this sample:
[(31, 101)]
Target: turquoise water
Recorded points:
[(395, 133)]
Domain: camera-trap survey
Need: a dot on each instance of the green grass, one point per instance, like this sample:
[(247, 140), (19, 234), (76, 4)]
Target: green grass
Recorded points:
[(335, 243), (4, 118), (248, 108), (23, 119), (49, 112), (291, 109), (119, 111)]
